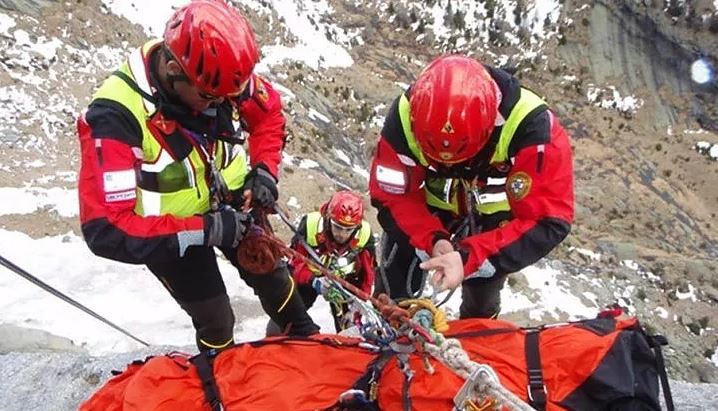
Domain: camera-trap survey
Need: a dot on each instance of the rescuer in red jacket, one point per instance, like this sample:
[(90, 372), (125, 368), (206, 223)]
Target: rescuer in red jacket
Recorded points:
[(472, 176), (164, 171), (343, 240)]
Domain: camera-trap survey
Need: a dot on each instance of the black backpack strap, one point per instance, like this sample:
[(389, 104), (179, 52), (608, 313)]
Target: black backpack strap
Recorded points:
[(536, 389), (656, 341), (204, 363), (363, 394), (133, 85)]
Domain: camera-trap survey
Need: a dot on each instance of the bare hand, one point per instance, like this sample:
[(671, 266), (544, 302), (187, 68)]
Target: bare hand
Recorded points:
[(448, 270), (442, 247)]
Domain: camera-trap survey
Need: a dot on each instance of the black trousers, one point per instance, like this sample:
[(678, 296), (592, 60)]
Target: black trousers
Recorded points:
[(195, 282), (309, 296), (400, 277)]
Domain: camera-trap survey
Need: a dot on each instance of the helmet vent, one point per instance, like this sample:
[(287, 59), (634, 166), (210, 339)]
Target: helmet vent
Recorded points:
[(187, 49), (200, 65), (215, 79)]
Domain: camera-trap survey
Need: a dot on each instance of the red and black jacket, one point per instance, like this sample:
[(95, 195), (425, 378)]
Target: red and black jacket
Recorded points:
[(111, 140), (364, 257), (539, 220)]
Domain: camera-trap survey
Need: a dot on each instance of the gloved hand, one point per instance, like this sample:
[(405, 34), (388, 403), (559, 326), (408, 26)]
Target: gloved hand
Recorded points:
[(263, 186), (318, 284), (225, 228)]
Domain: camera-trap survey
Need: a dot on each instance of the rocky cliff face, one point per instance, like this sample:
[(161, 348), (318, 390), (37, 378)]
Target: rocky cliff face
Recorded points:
[(643, 48), (616, 72)]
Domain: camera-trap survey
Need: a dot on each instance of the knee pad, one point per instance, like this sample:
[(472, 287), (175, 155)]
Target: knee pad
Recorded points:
[(213, 321)]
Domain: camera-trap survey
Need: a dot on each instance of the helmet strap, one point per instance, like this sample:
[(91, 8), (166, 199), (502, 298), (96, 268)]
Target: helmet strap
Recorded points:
[(172, 78)]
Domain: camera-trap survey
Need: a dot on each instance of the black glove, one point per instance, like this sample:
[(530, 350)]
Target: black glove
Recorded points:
[(263, 186), (225, 228)]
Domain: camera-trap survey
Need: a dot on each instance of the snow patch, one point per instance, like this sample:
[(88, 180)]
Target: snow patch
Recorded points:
[(343, 156), (307, 163), (6, 23), (362, 172), (314, 114), (610, 98), (554, 297), (152, 15), (29, 200), (661, 312), (690, 294), (313, 45), (630, 264), (286, 93), (588, 253), (293, 202), (708, 149)]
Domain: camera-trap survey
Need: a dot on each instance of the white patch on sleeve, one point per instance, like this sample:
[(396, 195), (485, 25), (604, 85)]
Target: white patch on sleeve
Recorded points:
[(121, 180), (121, 196), (390, 180)]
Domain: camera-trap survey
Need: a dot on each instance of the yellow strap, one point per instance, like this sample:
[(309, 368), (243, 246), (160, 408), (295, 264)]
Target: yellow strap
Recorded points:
[(216, 347), (289, 296)]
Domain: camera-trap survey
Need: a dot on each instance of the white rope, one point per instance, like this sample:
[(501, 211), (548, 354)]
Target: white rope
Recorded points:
[(486, 382)]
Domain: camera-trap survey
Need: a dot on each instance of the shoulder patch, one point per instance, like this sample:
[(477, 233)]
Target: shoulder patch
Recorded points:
[(261, 90), (518, 185)]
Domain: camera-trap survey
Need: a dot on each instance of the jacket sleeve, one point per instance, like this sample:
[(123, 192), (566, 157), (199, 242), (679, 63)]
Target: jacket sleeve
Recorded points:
[(367, 264), (300, 270), (262, 114), (110, 160), (396, 190), (540, 191)]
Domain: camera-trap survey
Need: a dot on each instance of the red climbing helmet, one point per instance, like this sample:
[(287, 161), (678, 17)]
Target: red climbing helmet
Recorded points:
[(214, 45), (454, 104), (345, 208)]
